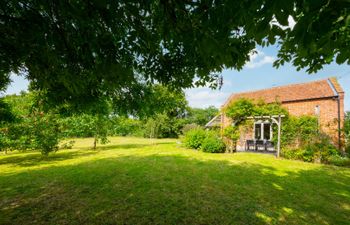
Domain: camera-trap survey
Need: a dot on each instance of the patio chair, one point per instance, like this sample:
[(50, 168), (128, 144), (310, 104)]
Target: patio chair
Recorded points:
[(250, 145), (260, 145), (269, 146)]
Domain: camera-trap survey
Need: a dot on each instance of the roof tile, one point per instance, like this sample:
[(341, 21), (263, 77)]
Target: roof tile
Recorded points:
[(293, 92)]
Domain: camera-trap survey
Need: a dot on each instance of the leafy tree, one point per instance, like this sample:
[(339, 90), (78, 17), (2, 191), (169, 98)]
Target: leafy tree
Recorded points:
[(6, 116), (163, 126), (166, 111), (124, 126), (232, 134), (80, 51), (6, 113), (201, 116), (30, 126), (22, 104), (43, 131), (91, 120)]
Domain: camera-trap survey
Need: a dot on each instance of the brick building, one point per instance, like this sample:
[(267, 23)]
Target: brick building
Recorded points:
[(323, 98)]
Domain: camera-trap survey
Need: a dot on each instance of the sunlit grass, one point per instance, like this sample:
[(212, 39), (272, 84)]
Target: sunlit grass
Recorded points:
[(143, 181)]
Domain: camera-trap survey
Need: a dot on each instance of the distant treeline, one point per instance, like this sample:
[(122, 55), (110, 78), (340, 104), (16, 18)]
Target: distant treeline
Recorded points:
[(28, 124)]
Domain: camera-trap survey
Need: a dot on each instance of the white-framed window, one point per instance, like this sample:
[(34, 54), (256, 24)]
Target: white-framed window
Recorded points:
[(262, 130)]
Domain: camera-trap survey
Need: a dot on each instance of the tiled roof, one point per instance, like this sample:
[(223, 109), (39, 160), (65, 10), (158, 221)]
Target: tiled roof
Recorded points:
[(294, 92)]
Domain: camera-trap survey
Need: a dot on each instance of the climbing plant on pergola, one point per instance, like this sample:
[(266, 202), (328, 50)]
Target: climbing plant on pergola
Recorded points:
[(277, 119)]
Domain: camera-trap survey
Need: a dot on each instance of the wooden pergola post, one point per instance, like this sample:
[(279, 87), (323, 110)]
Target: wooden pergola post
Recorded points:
[(279, 136)]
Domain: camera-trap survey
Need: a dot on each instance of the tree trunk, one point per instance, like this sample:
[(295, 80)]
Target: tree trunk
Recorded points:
[(95, 143)]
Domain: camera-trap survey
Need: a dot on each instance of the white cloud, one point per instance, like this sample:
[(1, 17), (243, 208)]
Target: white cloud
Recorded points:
[(205, 97), (258, 59)]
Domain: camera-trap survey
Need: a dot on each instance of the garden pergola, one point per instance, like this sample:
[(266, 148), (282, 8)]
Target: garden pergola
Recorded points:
[(277, 119)]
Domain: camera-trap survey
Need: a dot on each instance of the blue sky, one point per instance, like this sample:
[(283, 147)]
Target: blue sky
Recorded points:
[(257, 74)]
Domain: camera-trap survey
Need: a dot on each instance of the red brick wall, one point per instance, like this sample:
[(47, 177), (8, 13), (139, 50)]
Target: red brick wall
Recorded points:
[(328, 114)]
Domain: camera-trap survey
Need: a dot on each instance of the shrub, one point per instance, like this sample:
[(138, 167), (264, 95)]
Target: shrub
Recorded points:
[(194, 138), (45, 133), (347, 149), (339, 161), (213, 144), (190, 126), (320, 149), (67, 145), (347, 132), (291, 153), (124, 126), (5, 141)]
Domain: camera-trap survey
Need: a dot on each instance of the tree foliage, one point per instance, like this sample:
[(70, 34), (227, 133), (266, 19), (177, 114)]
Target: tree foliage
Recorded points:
[(79, 51), (201, 116), (6, 113), (29, 121)]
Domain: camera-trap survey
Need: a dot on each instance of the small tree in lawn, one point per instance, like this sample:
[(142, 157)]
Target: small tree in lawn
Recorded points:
[(100, 129), (232, 133), (99, 114), (45, 131)]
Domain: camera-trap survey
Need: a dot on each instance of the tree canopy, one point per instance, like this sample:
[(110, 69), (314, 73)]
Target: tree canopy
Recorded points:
[(82, 50)]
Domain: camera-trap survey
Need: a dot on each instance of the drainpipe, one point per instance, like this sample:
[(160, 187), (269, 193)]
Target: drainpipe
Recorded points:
[(337, 98)]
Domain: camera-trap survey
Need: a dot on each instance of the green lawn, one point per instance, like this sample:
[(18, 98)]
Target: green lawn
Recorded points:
[(141, 181)]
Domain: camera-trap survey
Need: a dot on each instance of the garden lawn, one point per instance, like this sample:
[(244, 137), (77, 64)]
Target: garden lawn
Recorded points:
[(142, 181)]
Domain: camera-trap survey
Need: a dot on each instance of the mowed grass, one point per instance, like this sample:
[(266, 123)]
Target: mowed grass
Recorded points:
[(142, 181)]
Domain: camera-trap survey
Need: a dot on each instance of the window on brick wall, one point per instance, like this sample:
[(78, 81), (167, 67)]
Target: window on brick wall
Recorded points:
[(262, 130)]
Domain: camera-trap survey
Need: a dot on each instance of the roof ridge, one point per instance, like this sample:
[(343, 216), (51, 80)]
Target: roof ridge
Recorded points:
[(287, 85), (273, 88)]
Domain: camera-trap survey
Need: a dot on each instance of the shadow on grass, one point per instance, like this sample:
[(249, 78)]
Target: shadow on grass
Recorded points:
[(125, 146), (122, 146), (36, 158), (174, 190)]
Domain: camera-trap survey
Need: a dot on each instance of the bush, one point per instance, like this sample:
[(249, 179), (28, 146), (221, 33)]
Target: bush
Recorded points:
[(194, 138), (124, 126), (347, 149), (291, 153), (207, 141), (45, 133), (213, 144), (190, 126), (339, 161), (320, 149), (67, 145)]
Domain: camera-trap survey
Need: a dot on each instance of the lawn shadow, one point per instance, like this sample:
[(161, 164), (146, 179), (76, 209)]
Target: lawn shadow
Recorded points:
[(35, 158), (173, 189), (122, 146)]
